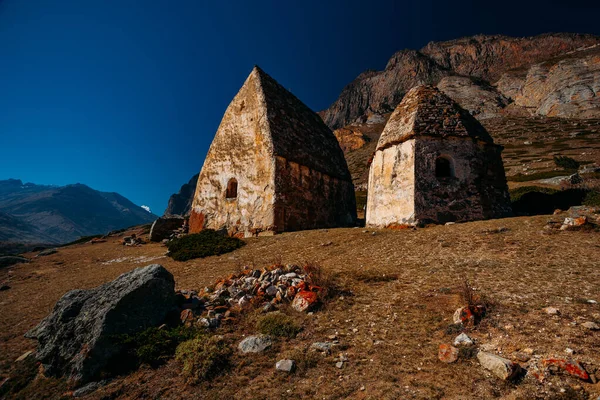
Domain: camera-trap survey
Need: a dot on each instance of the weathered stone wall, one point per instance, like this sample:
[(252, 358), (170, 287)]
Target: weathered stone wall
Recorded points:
[(242, 149), (392, 186), (309, 199), (477, 190)]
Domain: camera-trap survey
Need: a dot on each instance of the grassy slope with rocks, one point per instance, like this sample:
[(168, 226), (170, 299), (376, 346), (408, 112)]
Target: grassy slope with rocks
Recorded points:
[(401, 289)]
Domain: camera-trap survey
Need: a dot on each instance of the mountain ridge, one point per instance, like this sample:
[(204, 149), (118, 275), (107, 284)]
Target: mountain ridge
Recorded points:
[(486, 57), (33, 213)]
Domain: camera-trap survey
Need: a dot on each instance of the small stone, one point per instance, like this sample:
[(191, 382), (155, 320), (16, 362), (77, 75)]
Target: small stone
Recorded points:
[(285, 365), (24, 356), (591, 325), (463, 340), (447, 353), (255, 344), (528, 350), (89, 388), (552, 310), (522, 356), (501, 367), (304, 300), (339, 364), (271, 291), (569, 351), (569, 366), (324, 347), (590, 301)]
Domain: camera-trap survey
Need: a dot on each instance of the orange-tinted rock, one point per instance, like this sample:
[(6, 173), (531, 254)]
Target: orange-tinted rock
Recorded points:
[(571, 367), (196, 222), (187, 317), (447, 353), (304, 300)]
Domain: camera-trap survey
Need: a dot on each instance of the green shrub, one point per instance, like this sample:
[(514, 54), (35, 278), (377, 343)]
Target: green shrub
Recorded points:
[(203, 244), (566, 162), (154, 346), (203, 358), (278, 324), (592, 198), (516, 194)]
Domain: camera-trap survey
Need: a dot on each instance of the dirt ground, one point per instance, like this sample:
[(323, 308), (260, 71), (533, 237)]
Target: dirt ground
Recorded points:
[(403, 287)]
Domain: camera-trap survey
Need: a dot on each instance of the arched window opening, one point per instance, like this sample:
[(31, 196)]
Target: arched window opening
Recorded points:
[(444, 168), (231, 192)]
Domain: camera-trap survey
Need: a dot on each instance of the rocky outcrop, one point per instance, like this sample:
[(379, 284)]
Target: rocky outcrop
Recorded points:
[(163, 227), (350, 139), (381, 91), (567, 86), (479, 98), (483, 57), (80, 337), (180, 203)]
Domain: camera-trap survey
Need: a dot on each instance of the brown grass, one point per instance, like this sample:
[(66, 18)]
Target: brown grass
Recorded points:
[(390, 329)]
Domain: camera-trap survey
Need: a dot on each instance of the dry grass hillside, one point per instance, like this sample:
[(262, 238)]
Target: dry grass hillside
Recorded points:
[(530, 145), (398, 292)]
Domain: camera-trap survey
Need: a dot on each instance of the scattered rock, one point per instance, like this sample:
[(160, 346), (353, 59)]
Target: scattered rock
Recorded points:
[(569, 366), (324, 347), (163, 227), (47, 252), (552, 310), (591, 325), (468, 316), (501, 367), (285, 365), (463, 340), (447, 353), (255, 344), (304, 300), (339, 364), (76, 339), (24, 356), (89, 388), (571, 222)]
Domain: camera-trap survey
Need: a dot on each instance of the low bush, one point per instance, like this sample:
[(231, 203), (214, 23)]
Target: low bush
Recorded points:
[(154, 346), (566, 162), (517, 193), (203, 358), (203, 244), (278, 324), (592, 198)]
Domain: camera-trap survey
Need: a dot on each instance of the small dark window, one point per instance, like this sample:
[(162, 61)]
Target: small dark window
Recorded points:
[(443, 168), (231, 192)]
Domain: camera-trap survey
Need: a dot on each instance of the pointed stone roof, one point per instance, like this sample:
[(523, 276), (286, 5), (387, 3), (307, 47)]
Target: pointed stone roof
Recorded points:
[(298, 134), (426, 111)]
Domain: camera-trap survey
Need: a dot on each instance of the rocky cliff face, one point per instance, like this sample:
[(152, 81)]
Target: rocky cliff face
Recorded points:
[(566, 86), (485, 58), (181, 203)]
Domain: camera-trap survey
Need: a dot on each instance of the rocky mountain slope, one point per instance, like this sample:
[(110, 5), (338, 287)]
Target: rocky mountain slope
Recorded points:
[(501, 67), (181, 203), (32, 213)]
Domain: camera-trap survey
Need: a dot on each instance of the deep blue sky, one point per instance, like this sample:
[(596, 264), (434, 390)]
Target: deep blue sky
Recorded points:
[(126, 96)]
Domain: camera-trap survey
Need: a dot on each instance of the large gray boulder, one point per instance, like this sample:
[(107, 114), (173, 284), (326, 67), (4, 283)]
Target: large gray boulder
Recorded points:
[(80, 336), (163, 227)]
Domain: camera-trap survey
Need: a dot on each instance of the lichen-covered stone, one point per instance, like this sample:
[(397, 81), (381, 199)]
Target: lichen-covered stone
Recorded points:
[(80, 337), (273, 166), (405, 183)]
